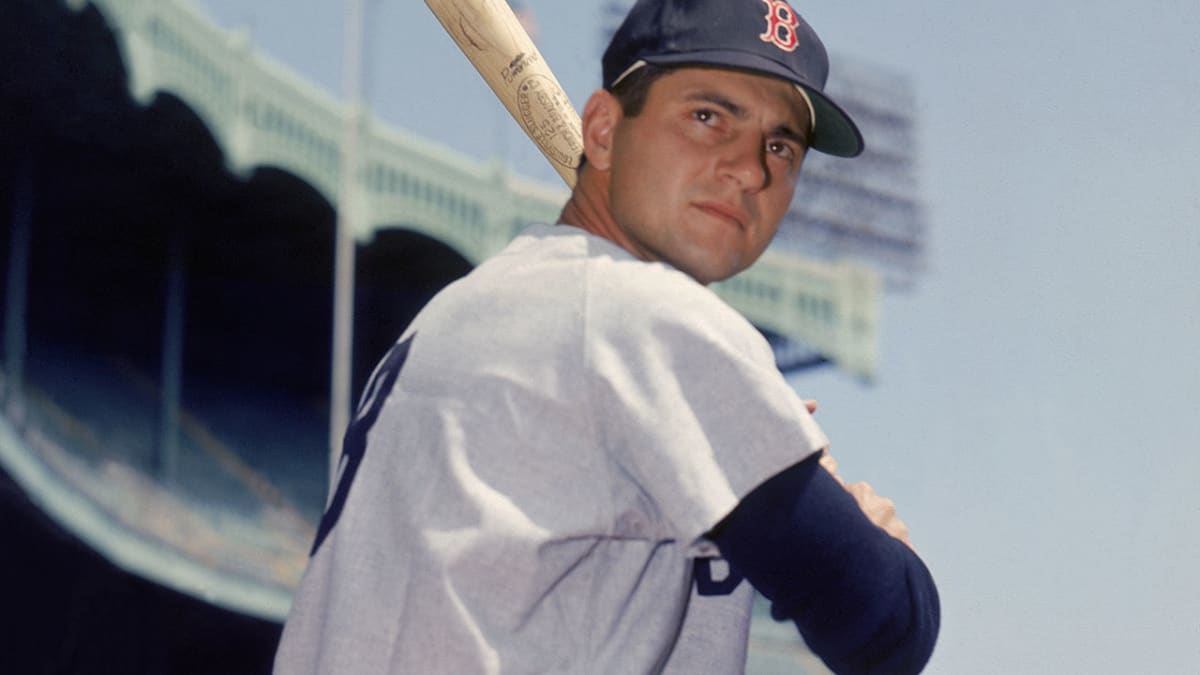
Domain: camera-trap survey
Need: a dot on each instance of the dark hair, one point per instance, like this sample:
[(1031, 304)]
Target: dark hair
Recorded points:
[(631, 93)]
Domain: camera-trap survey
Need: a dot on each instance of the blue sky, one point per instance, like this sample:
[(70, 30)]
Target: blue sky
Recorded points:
[(1035, 415)]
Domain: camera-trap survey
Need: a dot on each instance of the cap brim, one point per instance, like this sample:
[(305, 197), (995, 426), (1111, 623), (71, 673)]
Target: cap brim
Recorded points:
[(835, 133)]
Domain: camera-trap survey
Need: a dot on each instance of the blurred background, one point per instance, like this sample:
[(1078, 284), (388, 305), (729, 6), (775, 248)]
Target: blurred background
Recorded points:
[(997, 306)]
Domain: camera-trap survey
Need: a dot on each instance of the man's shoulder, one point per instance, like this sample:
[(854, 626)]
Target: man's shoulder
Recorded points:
[(630, 302), (561, 269), (605, 268), (632, 290)]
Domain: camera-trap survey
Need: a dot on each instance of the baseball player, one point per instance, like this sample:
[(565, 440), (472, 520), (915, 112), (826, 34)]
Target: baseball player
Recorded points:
[(578, 459)]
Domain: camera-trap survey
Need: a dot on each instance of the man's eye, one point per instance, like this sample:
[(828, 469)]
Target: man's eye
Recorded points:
[(705, 116), (780, 149)]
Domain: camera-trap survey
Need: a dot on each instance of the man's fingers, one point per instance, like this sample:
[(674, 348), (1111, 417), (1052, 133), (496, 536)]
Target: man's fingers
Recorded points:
[(880, 510), (830, 464)]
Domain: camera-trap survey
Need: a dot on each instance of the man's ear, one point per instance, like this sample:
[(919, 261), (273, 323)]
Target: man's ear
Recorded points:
[(600, 117)]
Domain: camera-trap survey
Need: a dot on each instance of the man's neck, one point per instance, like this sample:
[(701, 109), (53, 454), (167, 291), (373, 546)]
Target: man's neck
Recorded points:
[(588, 209)]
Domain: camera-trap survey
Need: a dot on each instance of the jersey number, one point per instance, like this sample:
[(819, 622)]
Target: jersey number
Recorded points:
[(354, 443)]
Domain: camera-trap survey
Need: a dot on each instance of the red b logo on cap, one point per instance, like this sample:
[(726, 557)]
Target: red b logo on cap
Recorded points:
[(781, 26)]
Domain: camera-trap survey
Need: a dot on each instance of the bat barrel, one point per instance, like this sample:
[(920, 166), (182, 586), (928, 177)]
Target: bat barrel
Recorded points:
[(492, 38)]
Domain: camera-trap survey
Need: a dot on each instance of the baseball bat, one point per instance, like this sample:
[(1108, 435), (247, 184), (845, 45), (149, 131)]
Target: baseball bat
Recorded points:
[(492, 38)]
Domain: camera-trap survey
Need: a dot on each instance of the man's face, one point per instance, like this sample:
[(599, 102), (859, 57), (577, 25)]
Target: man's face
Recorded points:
[(702, 177)]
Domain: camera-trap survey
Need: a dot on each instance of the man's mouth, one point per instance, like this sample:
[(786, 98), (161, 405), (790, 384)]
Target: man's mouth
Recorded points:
[(723, 211)]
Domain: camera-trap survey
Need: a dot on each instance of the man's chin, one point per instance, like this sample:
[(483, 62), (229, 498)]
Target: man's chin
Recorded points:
[(710, 272)]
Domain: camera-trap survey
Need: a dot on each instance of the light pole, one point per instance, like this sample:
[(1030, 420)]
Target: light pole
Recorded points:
[(343, 283)]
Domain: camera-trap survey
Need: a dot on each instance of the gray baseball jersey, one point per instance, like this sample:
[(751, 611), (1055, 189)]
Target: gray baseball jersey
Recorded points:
[(531, 472)]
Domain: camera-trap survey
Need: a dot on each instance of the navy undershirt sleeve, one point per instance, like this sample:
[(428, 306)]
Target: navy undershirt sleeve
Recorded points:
[(863, 601)]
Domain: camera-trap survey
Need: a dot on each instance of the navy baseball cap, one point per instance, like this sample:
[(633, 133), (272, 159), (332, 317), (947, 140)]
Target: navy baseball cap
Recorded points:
[(762, 36)]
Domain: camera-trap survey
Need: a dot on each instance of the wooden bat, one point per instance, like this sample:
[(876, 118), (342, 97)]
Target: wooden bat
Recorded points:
[(497, 45)]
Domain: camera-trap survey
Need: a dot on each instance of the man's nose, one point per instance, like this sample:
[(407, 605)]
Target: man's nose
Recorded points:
[(744, 160)]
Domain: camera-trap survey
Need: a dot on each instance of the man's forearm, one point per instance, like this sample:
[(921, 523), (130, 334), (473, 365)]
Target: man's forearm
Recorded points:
[(863, 600)]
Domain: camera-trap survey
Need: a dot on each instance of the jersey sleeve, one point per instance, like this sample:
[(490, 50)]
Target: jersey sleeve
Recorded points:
[(863, 600), (688, 400)]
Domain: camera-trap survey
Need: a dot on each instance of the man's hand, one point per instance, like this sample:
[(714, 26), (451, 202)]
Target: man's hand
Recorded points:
[(879, 509)]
